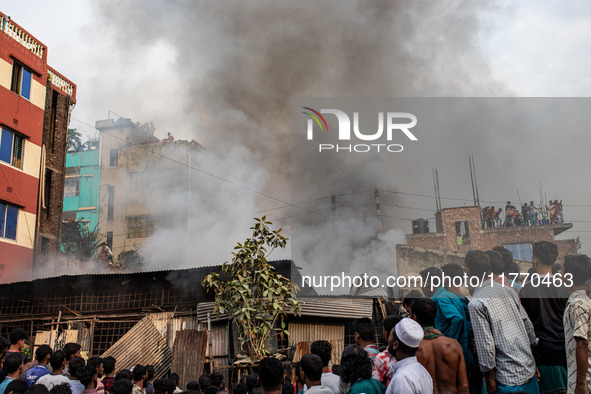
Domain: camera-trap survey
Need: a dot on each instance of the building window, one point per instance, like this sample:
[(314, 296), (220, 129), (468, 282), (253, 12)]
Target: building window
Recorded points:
[(114, 158), (8, 218), (140, 227), (521, 252), (72, 186), (44, 244), (462, 233), (110, 239), (21, 80), (11, 148), (47, 190), (111, 203)]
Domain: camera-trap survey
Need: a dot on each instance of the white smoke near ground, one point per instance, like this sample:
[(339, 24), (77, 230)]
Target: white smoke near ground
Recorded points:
[(224, 73)]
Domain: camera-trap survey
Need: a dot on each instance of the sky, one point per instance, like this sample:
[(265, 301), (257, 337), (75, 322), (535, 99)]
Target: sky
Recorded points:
[(185, 65)]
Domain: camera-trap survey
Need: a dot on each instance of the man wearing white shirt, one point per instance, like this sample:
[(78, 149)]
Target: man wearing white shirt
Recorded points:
[(409, 376)]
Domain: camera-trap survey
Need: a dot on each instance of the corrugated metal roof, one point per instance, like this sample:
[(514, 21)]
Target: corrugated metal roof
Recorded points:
[(143, 345), (188, 354), (342, 308)]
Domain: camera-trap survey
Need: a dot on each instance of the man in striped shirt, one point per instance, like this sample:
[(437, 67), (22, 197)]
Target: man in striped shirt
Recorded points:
[(364, 336)]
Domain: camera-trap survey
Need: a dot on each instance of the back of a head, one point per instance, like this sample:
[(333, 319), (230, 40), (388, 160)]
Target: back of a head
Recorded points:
[(410, 297), (252, 381), (453, 270), (164, 386), (424, 310), (17, 386), (390, 322), (477, 262), (545, 252), (70, 349), (95, 362), (75, 365), (270, 374), (175, 378), (150, 370), (4, 344), (364, 327), (122, 386), (507, 255), (37, 389), (205, 381), (355, 364), (322, 349), (239, 388), (287, 387), (579, 267), (86, 374), (193, 385), (429, 273), (124, 374), (18, 334), (63, 388), (556, 268), (211, 390), (311, 365), (42, 352), (217, 379), (139, 371), (109, 365), (56, 360), (497, 264), (13, 361)]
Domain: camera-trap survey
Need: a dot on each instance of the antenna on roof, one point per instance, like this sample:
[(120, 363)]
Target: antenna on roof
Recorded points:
[(475, 195)]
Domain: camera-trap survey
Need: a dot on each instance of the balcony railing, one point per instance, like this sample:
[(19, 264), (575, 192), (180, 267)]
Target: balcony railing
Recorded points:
[(60, 82), (21, 36)]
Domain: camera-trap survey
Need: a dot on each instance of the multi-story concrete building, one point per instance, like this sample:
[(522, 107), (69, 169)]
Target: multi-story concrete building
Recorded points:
[(140, 177), (81, 189), (35, 102), (460, 230)]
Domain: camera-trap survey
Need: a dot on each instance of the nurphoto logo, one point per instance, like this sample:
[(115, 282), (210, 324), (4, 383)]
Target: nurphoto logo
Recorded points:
[(397, 124)]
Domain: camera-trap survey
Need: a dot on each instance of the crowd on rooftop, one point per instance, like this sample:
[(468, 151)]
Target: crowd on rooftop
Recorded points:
[(524, 215)]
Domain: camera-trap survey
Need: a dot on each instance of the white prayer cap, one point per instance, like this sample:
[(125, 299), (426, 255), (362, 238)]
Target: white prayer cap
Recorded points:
[(409, 332)]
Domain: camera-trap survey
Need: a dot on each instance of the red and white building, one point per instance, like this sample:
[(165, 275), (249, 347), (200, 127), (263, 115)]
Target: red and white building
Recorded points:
[(27, 86)]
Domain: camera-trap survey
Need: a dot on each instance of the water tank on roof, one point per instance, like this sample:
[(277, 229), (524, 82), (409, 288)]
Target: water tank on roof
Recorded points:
[(420, 226)]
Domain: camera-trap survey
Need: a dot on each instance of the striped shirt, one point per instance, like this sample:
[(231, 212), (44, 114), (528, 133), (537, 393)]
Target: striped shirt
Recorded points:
[(577, 323), (503, 334)]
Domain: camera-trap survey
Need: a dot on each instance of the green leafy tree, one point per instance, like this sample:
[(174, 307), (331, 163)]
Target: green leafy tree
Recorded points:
[(74, 140), (92, 144), (78, 240), (255, 296), (131, 259), (579, 245)]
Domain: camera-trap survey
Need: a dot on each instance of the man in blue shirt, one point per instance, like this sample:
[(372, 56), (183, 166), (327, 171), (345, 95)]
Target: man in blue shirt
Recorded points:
[(42, 355), (13, 364)]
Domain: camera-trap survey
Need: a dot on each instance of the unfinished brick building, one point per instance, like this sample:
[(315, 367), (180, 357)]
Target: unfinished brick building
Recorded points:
[(460, 230)]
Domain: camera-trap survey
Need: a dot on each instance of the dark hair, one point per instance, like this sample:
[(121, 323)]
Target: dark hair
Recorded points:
[(95, 362), (424, 309), (124, 374), (37, 389), (478, 263), (238, 388), (163, 386), (252, 381), (205, 381), (410, 297), (579, 266), (257, 390), (429, 273), (556, 268), (287, 387), (150, 370), (211, 390), (57, 359), (86, 374), (506, 253), (336, 369), (4, 344), (123, 386), (217, 379), (390, 322), (138, 372), (364, 327), (109, 364), (193, 385), (175, 378), (546, 252), (70, 349), (17, 386), (63, 388), (18, 334), (453, 270), (13, 361), (270, 373), (75, 365), (42, 352), (322, 349), (403, 347), (355, 364), (497, 264), (312, 366)]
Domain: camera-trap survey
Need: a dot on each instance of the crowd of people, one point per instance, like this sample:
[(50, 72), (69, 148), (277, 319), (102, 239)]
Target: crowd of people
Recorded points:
[(501, 336), (525, 215)]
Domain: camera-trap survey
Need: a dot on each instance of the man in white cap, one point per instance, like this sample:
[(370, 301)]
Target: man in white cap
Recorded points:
[(409, 376)]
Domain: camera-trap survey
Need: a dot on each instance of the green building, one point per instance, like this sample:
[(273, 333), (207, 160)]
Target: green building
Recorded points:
[(81, 189)]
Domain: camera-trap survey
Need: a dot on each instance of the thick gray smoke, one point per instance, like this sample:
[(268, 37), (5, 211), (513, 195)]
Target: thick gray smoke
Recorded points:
[(224, 73)]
